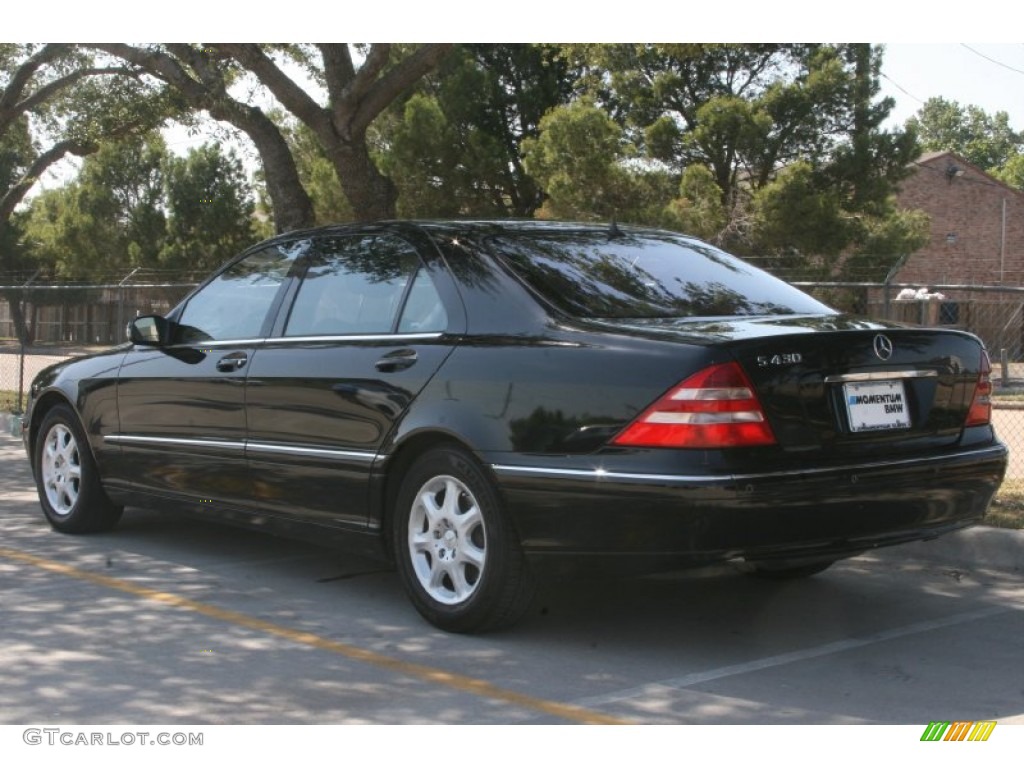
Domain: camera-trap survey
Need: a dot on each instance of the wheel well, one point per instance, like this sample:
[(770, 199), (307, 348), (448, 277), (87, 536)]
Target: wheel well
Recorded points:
[(42, 407), (397, 466)]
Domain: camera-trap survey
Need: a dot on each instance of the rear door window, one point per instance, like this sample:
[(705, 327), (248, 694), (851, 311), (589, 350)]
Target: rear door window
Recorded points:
[(359, 285)]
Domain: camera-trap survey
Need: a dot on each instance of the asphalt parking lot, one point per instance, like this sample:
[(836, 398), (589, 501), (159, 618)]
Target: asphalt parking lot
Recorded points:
[(170, 620)]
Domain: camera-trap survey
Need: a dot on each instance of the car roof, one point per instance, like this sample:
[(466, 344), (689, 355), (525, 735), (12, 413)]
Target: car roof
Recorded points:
[(477, 226)]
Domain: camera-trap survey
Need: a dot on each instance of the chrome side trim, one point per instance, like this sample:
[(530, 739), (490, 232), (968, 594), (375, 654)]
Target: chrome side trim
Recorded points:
[(354, 337), (201, 345), (881, 376), (601, 474), (245, 445), (294, 450), (134, 439), (398, 337)]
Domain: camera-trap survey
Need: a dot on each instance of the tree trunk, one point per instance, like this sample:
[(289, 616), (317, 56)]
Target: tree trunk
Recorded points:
[(14, 300), (371, 194), (292, 207), (861, 123)]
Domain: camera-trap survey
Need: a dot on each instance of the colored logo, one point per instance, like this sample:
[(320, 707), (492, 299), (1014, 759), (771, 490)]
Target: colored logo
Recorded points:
[(960, 730)]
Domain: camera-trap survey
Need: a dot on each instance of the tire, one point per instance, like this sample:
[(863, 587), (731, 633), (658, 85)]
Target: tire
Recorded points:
[(67, 479), (458, 556), (784, 570)]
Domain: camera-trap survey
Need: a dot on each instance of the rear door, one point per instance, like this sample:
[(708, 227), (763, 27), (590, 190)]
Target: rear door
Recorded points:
[(366, 330)]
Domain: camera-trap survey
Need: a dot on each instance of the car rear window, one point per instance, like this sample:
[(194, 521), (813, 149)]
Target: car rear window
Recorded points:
[(594, 275)]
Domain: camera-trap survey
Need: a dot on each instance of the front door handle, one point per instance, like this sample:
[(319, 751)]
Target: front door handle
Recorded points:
[(398, 360), (232, 362)]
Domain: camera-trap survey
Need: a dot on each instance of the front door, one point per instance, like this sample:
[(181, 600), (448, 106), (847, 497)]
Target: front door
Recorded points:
[(182, 406)]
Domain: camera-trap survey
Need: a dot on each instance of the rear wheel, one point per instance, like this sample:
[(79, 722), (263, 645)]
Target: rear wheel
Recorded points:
[(458, 556), (66, 477)]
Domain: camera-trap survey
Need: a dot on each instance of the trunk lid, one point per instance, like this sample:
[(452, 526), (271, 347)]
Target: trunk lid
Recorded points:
[(838, 384)]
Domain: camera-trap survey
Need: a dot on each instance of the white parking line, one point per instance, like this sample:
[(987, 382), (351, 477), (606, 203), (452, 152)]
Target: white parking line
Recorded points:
[(768, 662)]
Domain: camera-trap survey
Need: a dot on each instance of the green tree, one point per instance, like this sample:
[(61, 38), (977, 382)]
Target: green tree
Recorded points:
[(454, 147), (209, 210), (698, 208), (1012, 172), (779, 148), (424, 162), (110, 219), (984, 140), (135, 205), (582, 160)]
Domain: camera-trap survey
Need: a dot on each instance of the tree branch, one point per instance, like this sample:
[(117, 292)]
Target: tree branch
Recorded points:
[(19, 80), (294, 99), (47, 91), (292, 207), (17, 191), (402, 76), (367, 74), (338, 69), (161, 66), (199, 63)]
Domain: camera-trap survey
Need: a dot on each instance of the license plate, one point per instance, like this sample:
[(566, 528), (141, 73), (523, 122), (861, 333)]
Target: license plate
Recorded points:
[(876, 405)]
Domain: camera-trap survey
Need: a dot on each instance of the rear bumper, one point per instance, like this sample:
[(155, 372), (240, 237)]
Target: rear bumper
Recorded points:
[(655, 521)]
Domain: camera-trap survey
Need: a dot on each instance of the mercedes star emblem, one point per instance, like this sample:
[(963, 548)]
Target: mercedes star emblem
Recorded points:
[(883, 347)]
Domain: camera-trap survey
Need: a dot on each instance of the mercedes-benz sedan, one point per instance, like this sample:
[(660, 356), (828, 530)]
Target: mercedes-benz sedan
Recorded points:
[(483, 403)]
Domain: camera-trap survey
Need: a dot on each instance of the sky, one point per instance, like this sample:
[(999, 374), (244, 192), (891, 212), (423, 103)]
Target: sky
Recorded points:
[(915, 72)]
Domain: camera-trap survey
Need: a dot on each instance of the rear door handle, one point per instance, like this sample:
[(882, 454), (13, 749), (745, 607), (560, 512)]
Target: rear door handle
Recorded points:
[(398, 360), (232, 362)]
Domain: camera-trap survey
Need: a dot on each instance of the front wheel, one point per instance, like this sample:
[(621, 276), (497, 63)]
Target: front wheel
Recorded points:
[(67, 479), (458, 555)]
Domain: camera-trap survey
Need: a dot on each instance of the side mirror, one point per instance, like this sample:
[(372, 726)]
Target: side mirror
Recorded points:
[(150, 331)]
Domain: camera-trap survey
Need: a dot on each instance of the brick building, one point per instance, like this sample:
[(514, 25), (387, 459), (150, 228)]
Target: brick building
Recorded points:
[(976, 240), (977, 229)]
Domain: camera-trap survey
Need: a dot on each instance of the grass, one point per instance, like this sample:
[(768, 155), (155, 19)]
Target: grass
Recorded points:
[(9, 401), (1007, 510)]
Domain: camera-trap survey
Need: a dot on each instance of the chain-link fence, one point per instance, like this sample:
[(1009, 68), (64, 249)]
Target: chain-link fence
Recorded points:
[(44, 324), (994, 313)]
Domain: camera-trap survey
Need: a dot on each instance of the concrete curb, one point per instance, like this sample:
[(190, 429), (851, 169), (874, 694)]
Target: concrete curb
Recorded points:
[(972, 549)]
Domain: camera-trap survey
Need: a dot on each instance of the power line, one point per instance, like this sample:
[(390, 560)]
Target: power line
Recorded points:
[(989, 58), (901, 88)]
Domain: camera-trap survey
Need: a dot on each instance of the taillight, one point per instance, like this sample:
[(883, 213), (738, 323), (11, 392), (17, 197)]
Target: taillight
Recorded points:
[(981, 406), (714, 408)]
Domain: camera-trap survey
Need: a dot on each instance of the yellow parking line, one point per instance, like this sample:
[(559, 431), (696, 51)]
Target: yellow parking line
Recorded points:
[(430, 674)]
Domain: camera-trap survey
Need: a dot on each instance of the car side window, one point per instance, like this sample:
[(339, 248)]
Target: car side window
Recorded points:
[(354, 285), (234, 305), (423, 312)]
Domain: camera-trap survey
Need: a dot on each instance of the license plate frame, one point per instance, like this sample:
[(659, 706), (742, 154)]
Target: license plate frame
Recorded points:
[(877, 406)]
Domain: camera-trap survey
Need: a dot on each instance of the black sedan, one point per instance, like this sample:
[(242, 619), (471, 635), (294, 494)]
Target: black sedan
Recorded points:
[(486, 402)]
